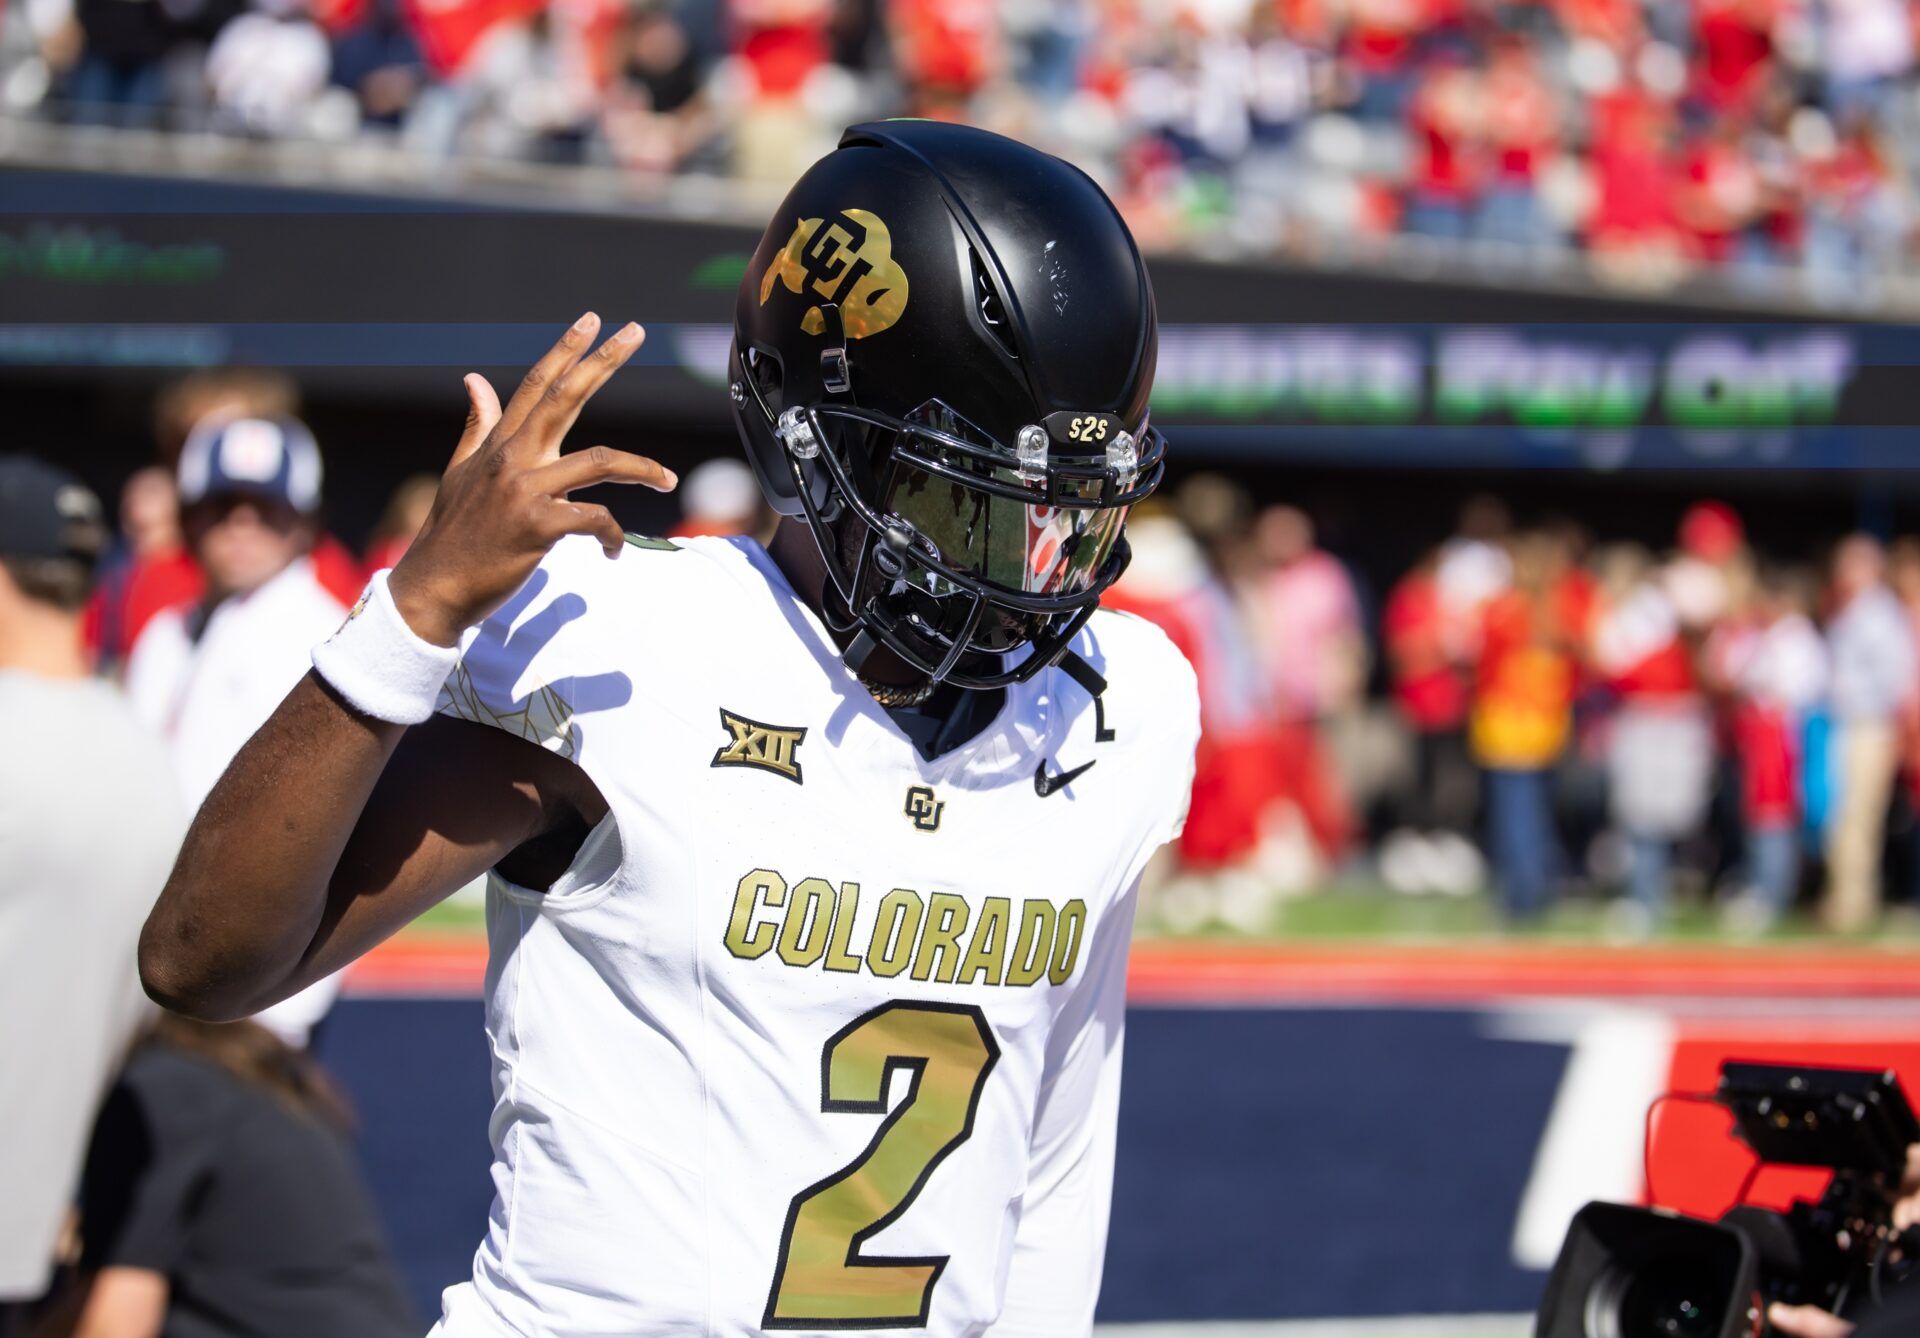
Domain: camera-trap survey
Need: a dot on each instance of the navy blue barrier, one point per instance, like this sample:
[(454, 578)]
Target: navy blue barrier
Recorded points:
[(1273, 1162)]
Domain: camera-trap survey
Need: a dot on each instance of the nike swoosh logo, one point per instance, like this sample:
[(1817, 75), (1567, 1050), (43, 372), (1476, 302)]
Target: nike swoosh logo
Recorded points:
[(1044, 785)]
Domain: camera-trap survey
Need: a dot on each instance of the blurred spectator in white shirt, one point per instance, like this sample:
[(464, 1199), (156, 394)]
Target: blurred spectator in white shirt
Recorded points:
[(1872, 646), (1868, 45), (1660, 750), (208, 675), (1773, 666), (89, 825), (267, 68)]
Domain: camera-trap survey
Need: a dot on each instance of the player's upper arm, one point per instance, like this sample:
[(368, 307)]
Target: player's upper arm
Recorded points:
[(495, 772), (455, 799)]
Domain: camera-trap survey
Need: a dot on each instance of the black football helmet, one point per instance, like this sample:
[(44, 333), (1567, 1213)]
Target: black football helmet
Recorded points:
[(942, 353)]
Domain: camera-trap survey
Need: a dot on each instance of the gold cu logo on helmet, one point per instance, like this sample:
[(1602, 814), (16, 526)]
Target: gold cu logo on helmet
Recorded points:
[(846, 259)]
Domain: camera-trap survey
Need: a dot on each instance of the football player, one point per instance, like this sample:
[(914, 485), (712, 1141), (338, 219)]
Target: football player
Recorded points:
[(812, 866)]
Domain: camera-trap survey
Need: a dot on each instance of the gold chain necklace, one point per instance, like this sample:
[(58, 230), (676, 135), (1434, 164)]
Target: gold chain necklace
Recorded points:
[(894, 697)]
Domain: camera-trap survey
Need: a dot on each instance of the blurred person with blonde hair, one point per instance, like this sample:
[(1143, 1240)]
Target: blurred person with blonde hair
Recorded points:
[(77, 767), (1871, 641)]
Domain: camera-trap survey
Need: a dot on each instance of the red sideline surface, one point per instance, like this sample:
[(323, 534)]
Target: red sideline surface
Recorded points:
[(1201, 972)]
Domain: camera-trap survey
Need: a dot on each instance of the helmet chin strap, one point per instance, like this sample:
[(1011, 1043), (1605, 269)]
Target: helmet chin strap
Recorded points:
[(889, 695)]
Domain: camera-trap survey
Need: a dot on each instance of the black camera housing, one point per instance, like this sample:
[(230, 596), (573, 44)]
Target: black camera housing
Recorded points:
[(1623, 1272), (1628, 1272)]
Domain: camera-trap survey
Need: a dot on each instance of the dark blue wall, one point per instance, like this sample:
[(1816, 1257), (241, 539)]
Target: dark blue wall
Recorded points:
[(1273, 1162)]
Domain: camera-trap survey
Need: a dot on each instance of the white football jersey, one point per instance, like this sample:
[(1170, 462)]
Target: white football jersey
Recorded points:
[(815, 1034)]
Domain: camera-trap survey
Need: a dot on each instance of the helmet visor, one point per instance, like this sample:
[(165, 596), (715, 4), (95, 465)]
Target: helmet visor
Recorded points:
[(1023, 543)]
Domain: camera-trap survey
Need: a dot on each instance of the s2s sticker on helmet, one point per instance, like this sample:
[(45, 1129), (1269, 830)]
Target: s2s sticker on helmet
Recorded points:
[(846, 259), (1089, 432)]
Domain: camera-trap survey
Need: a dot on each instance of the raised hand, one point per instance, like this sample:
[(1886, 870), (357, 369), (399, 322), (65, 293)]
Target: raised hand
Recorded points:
[(1805, 1321), (504, 499)]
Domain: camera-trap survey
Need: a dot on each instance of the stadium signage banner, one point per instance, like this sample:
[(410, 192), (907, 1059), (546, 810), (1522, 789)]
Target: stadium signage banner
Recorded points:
[(147, 276), (1537, 377)]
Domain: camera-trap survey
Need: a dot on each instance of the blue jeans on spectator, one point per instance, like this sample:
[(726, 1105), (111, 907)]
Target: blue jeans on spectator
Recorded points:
[(1053, 56), (1649, 872), (1520, 837), (1511, 213), (1383, 97), (103, 93), (1773, 865), (1436, 216), (1875, 97)]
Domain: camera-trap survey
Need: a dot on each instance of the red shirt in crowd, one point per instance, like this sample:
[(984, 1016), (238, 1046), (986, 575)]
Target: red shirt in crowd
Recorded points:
[(781, 41), (944, 47), (1734, 42), (1429, 689), (1725, 189), (1521, 119), (1439, 117), (1634, 184), (1380, 38)]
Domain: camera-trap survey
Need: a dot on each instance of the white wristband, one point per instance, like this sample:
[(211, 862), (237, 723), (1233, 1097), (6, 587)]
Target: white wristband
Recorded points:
[(380, 665)]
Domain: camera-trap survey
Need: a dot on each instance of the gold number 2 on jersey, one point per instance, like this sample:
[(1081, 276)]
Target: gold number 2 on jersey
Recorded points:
[(820, 1280)]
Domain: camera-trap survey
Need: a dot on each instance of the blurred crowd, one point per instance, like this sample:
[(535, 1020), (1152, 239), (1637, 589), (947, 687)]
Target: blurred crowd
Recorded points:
[(1659, 135), (1526, 710), (1548, 718)]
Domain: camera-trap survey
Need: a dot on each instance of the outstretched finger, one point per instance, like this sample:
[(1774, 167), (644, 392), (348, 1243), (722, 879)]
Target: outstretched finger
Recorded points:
[(589, 518), (552, 366), (568, 394), (1805, 1321), (601, 464), (483, 411)]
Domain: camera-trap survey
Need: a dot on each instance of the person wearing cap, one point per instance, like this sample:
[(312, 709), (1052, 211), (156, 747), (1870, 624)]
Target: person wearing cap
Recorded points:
[(720, 497), (208, 674), (76, 765)]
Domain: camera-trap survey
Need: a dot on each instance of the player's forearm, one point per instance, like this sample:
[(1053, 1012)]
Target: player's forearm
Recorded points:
[(249, 891)]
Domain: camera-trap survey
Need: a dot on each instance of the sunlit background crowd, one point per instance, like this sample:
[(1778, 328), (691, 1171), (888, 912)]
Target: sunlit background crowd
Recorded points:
[(1552, 717), (1740, 136), (1532, 711)]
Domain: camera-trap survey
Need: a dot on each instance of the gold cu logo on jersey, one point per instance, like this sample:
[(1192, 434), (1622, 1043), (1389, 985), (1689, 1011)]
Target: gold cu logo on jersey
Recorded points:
[(924, 809), (847, 259), (769, 747)]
